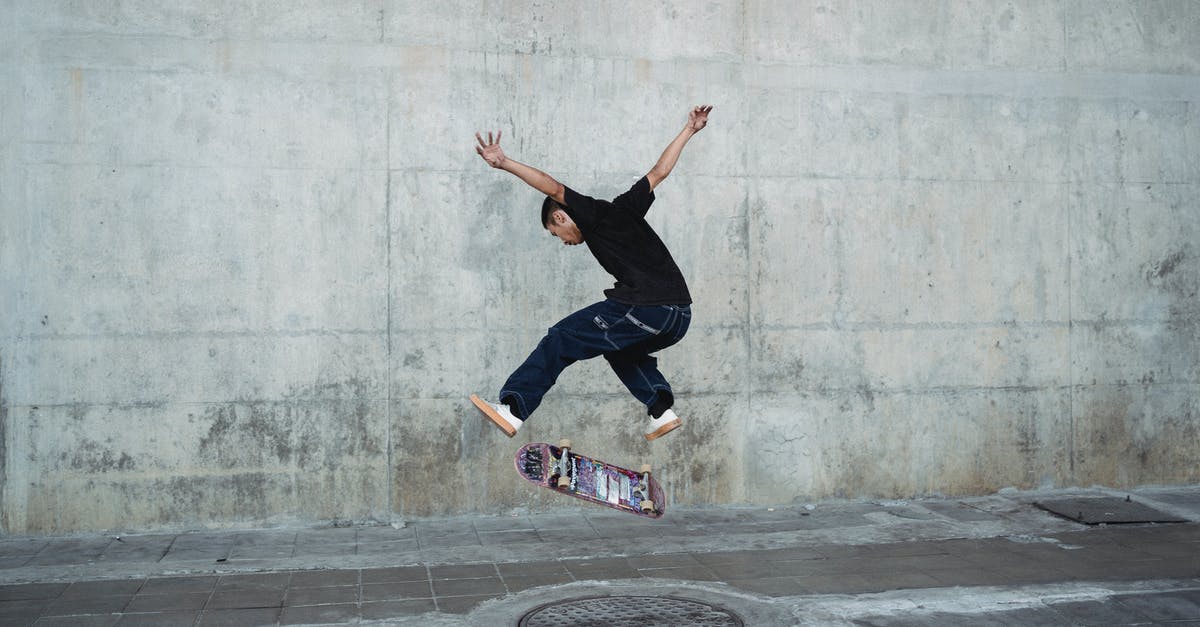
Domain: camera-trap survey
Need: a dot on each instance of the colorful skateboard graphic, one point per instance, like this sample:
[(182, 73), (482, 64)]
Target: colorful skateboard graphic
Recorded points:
[(564, 471)]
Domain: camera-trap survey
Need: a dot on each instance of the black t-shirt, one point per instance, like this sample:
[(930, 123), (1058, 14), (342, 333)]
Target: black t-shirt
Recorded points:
[(617, 234)]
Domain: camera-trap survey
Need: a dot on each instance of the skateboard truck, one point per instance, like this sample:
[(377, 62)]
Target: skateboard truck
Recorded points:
[(564, 466), (643, 489)]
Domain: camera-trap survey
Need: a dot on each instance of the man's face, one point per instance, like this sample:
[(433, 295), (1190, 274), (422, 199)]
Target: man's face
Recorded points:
[(563, 227)]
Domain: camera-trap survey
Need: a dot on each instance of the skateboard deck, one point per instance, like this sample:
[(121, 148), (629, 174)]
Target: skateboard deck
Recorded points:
[(591, 479)]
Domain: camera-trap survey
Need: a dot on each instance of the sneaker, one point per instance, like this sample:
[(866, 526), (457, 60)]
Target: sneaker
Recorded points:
[(663, 425), (500, 414)]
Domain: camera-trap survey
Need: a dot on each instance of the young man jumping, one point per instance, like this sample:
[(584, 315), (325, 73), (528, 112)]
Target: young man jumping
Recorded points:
[(647, 310)]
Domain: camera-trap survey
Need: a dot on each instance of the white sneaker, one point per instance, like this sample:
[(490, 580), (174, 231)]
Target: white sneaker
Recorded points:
[(499, 414), (663, 425)]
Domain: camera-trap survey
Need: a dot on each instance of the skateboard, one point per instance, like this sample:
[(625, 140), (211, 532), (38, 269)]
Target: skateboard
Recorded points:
[(566, 472)]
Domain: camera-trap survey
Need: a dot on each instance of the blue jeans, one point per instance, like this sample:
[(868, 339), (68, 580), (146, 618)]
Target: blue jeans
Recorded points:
[(624, 334)]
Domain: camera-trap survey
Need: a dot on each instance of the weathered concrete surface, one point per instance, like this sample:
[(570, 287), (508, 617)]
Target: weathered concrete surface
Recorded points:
[(251, 266)]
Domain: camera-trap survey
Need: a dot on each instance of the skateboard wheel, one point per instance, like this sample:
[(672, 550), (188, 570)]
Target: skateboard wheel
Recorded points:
[(647, 506), (564, 443), (564, 482), (645, 468)]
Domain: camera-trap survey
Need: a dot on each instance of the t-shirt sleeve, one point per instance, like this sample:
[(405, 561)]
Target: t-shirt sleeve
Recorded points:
[(638, 199)]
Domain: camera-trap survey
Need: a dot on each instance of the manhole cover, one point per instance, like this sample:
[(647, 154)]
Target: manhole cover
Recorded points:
[(634, 611), (1107, 510)]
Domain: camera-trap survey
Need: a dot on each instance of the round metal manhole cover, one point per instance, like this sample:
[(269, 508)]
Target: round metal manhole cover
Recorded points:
[(634, 611)]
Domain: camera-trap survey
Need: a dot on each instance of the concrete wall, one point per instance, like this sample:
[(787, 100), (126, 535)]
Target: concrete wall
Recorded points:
[(252, 267)]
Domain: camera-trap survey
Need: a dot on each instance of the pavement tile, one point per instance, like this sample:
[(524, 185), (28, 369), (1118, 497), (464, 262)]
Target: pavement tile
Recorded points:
[(882, 582), (730, 557), (81, 620), (1088, 570), (256, 617), (506, 523), (833, 584), (1036, 573), (797, 568), (450, 540), (159, 619), (560, 521), (664, 561), (241, 599), (463, 604), (63, 557), (445, 526), (397, 609), (463, 571), (794, 553), (519, 583), (103, 588), (258, 552), (970, 577), (16, 561), (168, 602), (491, 538), (10, 611), (524, 569), (331, 535), (749, 569), (132, 555), (204, 538), (619, 531), (683, 573), (852, 565), (337, 614), (1159, 548), (396, 590), (257, 581), (1162, 607), (324, 578), (191, 555), (260, 538), (387, 533), (1113, 553), (326, 550), (178, 585), (1099, 613), (20, 592), (567, 536), (602, 568), (24, 546), (398, 573), (468, 587), (389, 548), (320, 596), (87, 605), (769, 586), (958, 510)]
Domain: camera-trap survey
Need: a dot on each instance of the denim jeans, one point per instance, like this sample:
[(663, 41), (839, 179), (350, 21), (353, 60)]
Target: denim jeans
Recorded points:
[(625, 334)]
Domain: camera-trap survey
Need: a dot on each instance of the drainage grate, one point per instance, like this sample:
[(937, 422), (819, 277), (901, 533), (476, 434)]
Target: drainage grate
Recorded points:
[(632, 611), (1106, 510)]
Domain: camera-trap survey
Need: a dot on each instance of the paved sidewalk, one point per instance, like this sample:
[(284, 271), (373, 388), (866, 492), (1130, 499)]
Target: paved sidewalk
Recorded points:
[(994, 560)]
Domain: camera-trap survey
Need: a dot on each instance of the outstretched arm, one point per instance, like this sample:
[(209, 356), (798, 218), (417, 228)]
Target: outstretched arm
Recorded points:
[(494, 156), (697, 119)]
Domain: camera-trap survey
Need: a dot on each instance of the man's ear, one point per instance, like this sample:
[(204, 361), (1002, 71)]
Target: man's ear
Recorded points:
[(559, 216)]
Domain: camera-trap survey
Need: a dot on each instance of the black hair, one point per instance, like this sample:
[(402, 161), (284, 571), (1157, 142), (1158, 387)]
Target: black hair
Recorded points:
[(549, 206)]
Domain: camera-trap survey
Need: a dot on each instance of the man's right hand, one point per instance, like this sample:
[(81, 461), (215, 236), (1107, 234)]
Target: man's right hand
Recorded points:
[(490, 150)]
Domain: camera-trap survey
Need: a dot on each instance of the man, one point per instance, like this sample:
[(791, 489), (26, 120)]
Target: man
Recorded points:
[(647, 310)]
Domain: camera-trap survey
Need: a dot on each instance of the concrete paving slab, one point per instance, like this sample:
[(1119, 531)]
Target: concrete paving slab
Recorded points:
[(1006, 561)]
